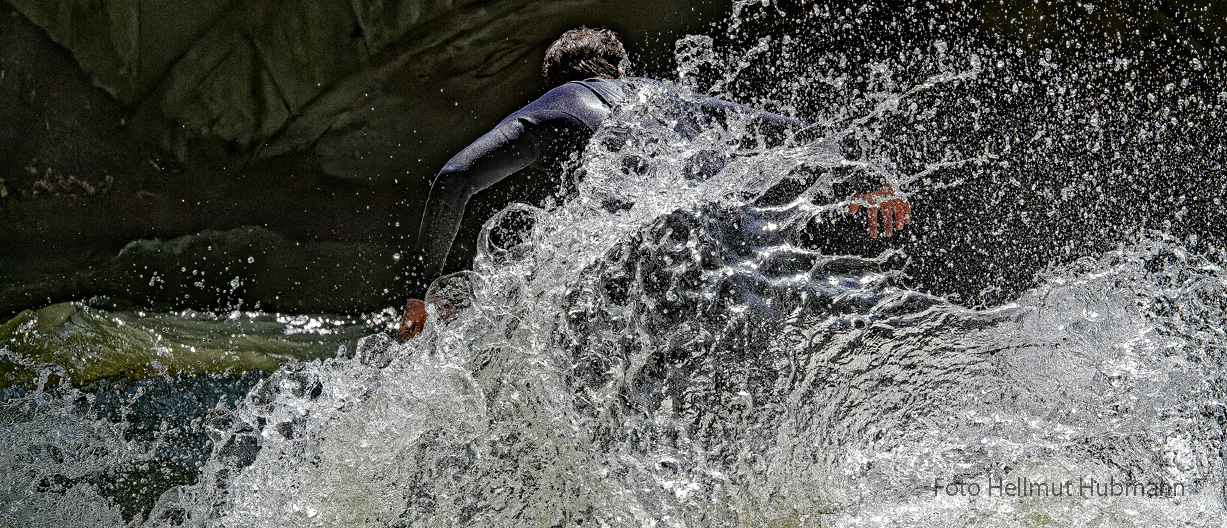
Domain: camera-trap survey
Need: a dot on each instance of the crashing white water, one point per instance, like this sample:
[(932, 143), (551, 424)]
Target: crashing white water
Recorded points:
[(657, 350), (666, 347)]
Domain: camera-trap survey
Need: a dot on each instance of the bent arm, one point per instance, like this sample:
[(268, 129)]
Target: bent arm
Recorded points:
[(511, 146), (888, 201)]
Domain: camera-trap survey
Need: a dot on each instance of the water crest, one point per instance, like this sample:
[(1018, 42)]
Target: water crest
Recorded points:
[(700, 335)]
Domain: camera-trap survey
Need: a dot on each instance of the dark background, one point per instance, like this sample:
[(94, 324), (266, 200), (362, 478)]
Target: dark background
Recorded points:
[(275, 154)]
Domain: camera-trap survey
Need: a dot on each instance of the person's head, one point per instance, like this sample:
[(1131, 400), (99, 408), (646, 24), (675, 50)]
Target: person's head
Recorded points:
[(584, 53)]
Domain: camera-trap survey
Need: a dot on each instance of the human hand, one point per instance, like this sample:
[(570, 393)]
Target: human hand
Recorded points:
[(414, 319), (889, 202)]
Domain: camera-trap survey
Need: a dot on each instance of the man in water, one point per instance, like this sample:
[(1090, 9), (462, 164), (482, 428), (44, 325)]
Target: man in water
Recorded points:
[(588, 69)]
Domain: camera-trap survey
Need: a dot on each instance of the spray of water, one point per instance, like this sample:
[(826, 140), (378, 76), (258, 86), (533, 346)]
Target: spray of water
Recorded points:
[(695, 336)]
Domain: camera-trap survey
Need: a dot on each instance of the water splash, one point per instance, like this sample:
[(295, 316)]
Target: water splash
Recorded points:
[(698, 335), (664, 349)]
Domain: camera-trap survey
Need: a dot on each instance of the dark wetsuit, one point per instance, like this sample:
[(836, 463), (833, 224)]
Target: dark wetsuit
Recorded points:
[(562, 117)]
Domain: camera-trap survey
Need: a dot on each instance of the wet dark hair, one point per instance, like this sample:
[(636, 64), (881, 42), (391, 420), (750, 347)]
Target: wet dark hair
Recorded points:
[(584, 53)]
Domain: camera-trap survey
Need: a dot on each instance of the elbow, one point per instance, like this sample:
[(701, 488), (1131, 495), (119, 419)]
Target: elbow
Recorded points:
[(451, 184)]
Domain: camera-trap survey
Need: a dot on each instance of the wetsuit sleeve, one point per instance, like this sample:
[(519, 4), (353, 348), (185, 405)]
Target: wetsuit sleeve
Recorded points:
[(532, 133), (512, 145)]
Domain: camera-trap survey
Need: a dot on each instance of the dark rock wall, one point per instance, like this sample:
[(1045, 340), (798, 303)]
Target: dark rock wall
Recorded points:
[(218, 78), (318, 123), (220, 69), (205, 128), (63, 143)]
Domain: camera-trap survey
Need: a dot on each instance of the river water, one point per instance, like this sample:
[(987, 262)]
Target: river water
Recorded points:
[(677, 343)]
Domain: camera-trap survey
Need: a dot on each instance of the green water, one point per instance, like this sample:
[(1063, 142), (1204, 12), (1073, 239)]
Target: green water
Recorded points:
[(83, 344)]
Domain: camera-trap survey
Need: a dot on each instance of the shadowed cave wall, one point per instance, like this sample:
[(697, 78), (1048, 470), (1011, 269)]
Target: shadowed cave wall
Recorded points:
[(274, 154)]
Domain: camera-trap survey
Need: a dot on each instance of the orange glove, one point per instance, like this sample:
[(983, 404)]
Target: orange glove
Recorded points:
[(413, 321), (895, 210)]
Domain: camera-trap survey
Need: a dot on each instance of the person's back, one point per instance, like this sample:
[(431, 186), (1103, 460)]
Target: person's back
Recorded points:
[(585, 64), (547, 130), (587, 67)]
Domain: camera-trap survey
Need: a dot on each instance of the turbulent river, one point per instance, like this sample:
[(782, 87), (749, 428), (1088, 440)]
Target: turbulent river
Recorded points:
[(670, 346)]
